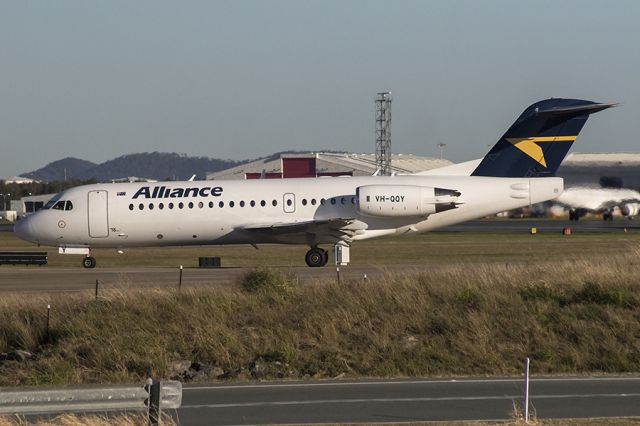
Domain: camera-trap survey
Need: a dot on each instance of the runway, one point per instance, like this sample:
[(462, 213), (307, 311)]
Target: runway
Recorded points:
[(406, 400), (543, 226)]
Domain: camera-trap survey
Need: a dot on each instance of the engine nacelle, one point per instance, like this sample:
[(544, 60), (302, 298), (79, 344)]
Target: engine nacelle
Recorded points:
[(404, 200), (629, 209)]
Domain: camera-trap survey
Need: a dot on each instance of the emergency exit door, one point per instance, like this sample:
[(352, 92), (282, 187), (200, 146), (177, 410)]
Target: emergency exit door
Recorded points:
[(98, 214)]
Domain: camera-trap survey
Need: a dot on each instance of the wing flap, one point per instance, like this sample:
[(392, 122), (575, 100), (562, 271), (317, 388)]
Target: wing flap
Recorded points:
[(339, 228)]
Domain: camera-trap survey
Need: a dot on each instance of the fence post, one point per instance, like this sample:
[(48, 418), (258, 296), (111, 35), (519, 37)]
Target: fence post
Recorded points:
[(96, 290), (48, 320), (338, 273), (526, 390), (180, 279), (153, 401)]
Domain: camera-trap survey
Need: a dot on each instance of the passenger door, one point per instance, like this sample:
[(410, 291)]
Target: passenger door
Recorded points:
[(98, 214)]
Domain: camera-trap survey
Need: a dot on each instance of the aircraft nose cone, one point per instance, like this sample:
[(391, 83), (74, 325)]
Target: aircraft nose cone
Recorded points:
[(23, 230)]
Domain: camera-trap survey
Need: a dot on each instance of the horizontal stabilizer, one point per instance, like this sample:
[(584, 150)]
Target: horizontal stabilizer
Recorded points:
[(576, 110)]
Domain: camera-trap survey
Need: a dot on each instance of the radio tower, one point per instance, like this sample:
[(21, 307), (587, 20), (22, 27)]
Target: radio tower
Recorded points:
[(383, 133)]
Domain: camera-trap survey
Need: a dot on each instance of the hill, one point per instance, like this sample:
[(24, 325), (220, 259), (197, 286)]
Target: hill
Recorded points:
[(64, 169), (151, 165)]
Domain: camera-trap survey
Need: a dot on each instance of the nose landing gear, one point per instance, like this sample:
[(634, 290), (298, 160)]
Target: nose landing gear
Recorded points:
[(316, 257), (89, 262)]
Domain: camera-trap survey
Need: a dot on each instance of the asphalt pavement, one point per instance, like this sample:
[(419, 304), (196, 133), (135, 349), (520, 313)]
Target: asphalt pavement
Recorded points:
[(543, 226), (406, 400)]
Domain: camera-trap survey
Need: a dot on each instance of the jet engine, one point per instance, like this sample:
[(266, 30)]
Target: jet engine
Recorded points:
[(404, 200), (629, 209)]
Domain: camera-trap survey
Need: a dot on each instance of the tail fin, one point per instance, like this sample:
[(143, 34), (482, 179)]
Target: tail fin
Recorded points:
[(536, 144)]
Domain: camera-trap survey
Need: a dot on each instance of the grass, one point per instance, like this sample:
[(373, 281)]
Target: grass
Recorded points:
[(85, 420), (132, 420), (575, 316)]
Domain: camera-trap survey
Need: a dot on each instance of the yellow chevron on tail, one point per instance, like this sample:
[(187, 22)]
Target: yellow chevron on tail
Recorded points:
[(530, 145)]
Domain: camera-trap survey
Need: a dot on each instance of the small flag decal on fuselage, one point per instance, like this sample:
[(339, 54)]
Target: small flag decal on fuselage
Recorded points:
[(121, 194)]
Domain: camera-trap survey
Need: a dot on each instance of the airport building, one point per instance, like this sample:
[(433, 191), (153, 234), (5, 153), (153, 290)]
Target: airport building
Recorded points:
[(609, 170), (324, 164), (28, 204)]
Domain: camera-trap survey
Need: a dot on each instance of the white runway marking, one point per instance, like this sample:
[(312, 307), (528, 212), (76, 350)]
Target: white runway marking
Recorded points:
[(426, 399)]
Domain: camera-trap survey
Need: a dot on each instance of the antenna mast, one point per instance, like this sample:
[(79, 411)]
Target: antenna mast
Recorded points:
[(383, 133)]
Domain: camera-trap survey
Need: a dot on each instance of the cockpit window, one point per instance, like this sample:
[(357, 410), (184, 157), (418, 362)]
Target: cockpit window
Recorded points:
[(58, 206), (52, 201), (68, 206)]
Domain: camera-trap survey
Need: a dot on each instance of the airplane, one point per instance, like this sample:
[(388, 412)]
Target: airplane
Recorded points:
[(581, 200), (518, 171)]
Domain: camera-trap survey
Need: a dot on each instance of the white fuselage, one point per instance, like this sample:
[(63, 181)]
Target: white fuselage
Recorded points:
[(123, 215)]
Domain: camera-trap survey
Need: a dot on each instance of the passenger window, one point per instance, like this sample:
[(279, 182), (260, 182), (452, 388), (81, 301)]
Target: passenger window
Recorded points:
[(253, 203), (322, 201), (170, 206), (304, 201), (180, 205), (313, 201), (201, 204), (342, 200), (210, 204), (221, 204), (263, 203), (333, 201), (141, 206), (68, 206), (274, 203), (161, 206), (289, 202), (150, 206), (241, 203), (190, 205), (231, 204), (130, 206), (58, 206)]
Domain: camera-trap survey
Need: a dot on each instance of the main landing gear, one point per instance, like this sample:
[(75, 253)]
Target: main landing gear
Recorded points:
[(316, 257), (89, 262)]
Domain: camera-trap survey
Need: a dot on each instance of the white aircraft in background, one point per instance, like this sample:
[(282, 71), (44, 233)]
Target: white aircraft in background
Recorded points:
[(518, 171), (602, 201)]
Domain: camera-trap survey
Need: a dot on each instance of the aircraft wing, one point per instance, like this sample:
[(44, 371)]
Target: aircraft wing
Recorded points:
[(338, 228)]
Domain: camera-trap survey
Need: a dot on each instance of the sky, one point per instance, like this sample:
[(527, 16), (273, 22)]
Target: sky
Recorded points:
[(242, 79)]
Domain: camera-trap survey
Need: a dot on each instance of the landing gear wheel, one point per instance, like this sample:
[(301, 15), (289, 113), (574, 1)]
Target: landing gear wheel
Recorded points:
[(89, 262), (316, 257)]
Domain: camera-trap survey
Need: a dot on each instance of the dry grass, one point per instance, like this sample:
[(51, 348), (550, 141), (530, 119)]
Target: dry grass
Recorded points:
[(575, 316), (85, 420), (129, 420)]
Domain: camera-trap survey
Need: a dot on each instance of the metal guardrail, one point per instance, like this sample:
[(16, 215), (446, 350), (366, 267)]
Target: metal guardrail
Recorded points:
[(23, 258), (152, 397)]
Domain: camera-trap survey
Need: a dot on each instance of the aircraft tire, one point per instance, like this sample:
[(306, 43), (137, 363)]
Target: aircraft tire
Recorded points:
[(316, 257), (89, 262)]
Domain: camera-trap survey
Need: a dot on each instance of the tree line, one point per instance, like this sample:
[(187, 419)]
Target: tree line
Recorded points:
[(16, 191)]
